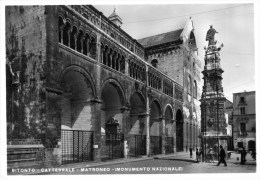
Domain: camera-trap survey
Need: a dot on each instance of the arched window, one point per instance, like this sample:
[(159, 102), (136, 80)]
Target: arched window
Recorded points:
[(195, 89), (79, 41), (86, 44), (189, 85), (92, 48), (154, 63), (72, 37), (61, 26), (66, 34), (122, 64)]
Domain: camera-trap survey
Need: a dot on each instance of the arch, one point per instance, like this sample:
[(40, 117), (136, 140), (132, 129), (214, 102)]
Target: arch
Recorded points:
[(156, 109), (61, 26), (78, 91), (168, 112), (189, 87), (137, 103), (86, 44), (72, 37), (192, 40), (81, 71), (195, 89), (65, 33), (179, 130), (154, 63), (119, 88), (79, 41)]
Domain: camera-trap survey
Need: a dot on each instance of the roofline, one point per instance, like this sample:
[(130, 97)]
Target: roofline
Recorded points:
[(248, 92), (160, 34)]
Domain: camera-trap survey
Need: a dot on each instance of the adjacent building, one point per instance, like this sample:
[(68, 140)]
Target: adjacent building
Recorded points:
[(244, 120), (84, 90)]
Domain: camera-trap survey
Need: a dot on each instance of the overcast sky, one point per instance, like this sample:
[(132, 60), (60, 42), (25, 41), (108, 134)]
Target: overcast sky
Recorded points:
[(234, 23)]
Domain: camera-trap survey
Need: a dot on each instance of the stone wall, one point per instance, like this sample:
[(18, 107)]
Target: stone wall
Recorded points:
[(26, 51)]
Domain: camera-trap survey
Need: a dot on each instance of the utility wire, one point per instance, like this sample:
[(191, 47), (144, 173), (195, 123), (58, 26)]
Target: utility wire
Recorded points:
[(238, 53), (203, 12)]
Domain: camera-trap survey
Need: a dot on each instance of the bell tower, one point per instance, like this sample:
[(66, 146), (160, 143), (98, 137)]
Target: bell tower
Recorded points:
[(213, 122), (115, 18)]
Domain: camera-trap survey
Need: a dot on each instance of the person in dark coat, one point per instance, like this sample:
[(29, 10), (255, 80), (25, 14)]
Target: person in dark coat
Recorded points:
[(222, 156), (202, 154), (197, 155), (190, 152), (243, 156)]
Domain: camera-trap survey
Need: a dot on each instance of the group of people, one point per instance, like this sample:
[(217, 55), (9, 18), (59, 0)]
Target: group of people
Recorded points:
[(210, 155), (222, 155)]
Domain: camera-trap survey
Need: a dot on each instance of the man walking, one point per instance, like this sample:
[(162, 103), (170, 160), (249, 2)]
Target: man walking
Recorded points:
[(190, 152), (243, 156), (222, 156)]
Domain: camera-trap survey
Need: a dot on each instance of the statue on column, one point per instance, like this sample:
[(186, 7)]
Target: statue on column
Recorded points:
[(211, 36)]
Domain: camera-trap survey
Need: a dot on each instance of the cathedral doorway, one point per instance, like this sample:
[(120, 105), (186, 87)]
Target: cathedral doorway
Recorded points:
[(179, 131)]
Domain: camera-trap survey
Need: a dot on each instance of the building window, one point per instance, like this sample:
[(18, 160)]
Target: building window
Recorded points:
[(242, 100), (242, 110), (195, 89), (189, 88), (243, 127), (154, 63)]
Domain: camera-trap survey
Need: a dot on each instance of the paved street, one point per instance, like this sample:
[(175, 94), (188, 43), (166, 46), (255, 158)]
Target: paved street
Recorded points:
[(162, 164)]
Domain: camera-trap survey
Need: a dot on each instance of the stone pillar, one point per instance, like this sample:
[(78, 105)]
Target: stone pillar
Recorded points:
[(174, 135), (147, 118), (98, 48), (163, 134), (126, 114), (127, 66), (96, 105)]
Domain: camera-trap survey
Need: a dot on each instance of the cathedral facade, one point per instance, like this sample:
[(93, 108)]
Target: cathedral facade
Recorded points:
[(85, 90)]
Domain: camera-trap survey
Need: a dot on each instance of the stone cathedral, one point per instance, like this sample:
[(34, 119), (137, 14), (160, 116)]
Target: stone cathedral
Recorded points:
[(213, 122), (79, 88)]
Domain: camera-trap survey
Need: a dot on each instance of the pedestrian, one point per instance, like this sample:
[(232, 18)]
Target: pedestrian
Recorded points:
[(222, 156), (190, 152), (253, 154), (197, 155), (202, 153), (243, 156)]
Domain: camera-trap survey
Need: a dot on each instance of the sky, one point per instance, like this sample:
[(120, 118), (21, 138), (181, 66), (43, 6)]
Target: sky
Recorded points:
[(233, 22)]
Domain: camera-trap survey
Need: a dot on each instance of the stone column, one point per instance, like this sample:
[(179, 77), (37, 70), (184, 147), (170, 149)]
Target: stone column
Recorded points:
[(163, 134), (127, 66), (125, 114), (174, 135), (147, 118), (98, 49), (96, 105)]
